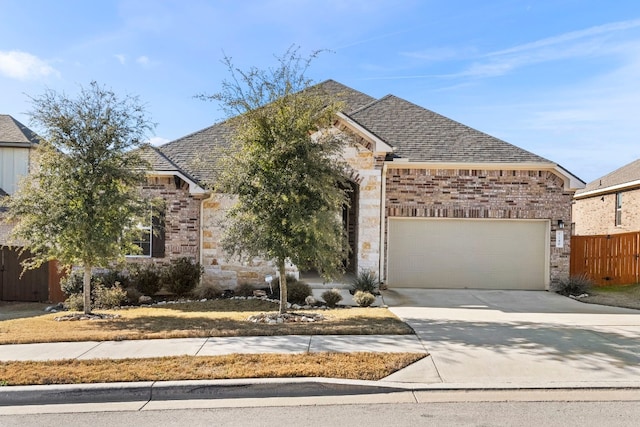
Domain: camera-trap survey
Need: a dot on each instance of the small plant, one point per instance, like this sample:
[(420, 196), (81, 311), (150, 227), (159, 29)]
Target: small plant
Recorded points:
[(363, 298), (111, 278), (367, 281), (245, 289), (297, 291), (74, 302), (332, 297), (72, 284), (106, 298), (208, 291), (574, 285), (182, 276), (146, 279)]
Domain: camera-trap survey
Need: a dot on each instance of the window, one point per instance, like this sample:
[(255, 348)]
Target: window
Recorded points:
[(150, 238), (144, 240), (618, 209)]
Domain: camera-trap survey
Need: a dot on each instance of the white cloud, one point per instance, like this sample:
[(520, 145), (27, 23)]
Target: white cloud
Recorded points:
[(143, 60), (596, 41), (157, 140), (24, 66), (121, 58)]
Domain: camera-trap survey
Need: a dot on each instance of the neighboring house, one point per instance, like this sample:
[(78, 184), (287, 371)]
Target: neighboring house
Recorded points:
[(606, 214), (609, 205), (436, 204), (17, 156)]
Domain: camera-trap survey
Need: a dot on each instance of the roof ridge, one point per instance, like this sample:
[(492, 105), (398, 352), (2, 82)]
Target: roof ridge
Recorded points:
[(372, 103)]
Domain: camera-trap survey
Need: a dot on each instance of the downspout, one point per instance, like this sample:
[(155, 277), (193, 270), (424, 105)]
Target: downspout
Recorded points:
[(383, 192)]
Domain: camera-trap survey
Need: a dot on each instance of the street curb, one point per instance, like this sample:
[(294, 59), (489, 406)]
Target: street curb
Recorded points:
[(187, 390), (253, 388), (75, 393)]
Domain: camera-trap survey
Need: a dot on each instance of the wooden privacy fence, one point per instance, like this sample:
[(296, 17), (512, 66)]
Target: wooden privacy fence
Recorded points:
[(607, 260)]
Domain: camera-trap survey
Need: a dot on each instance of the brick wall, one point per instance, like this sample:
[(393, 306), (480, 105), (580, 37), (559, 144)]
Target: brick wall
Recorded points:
[(499, 194), (597, 215), (182, 212)]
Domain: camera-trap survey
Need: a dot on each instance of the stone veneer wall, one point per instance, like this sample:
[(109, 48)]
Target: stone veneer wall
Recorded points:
[(597, 215), (365, 172), (501, 194), (182, 225)]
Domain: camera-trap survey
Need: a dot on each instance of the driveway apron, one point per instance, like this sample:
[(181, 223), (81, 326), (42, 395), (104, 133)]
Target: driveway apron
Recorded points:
[(527, 338)]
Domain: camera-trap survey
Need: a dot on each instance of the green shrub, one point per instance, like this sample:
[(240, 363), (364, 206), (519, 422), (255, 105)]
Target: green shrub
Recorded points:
[(74, 302), (110, 278), (146, 279), (297, 291), (105, 297), (363, 298), (574, 285), (182, 276), (207, 291), (332, 297), (72, 283), (133, 295), (366, 281), (244, 289)]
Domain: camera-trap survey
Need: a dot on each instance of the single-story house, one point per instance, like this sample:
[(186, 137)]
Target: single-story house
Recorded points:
[(610, 204), (17, 156), (606, 214), (435, 203)]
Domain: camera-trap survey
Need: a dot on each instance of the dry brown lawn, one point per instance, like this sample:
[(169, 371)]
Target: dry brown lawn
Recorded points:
[(361, 366), (220, 318), (627, 296), (26, 323)]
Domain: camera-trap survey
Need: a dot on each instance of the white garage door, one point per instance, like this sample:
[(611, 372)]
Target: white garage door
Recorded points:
[(468, 253)]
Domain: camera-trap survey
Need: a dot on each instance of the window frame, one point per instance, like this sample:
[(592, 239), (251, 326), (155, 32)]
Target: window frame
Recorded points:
[(144, 229), (619, 209)]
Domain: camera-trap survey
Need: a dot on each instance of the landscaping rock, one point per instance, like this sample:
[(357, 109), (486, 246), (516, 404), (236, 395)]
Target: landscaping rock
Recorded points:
[(82, 316), (276, 318)]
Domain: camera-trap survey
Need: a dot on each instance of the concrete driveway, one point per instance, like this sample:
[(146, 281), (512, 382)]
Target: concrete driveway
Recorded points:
[(518, 338)]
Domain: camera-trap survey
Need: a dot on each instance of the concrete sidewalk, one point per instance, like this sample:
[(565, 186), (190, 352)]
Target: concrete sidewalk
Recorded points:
[(482, 340), (289, 344)]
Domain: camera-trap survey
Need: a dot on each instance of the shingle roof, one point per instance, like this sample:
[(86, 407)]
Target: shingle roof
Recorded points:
[(156, 159), (626, 174), (352, 98), (422, 135), (415, 133), (196, 153), (14, 132)]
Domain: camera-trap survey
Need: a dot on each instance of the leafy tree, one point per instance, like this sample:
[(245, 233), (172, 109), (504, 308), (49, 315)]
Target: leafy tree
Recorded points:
[(284, 168), (81, 205)]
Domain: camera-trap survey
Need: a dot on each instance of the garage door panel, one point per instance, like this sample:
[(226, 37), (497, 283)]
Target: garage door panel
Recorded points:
[(481, 254)]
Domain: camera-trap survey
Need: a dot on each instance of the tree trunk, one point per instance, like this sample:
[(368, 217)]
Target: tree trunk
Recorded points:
[(283, 287), (86, 287)]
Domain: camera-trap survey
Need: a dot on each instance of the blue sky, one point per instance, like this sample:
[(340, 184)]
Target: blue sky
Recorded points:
[(560, 78)]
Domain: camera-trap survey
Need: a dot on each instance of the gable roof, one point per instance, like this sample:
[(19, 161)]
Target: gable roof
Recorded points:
[(195, 152), (420, 135), (622, 178), (414, 133), (14, 133), (162, 166)]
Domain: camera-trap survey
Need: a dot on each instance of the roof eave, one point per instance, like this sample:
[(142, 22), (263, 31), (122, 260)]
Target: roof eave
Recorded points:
[(610, 189), (380, 145), (194, 189)]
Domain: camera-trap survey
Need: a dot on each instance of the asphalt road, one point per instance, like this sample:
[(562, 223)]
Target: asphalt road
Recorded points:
[(549, 414)]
